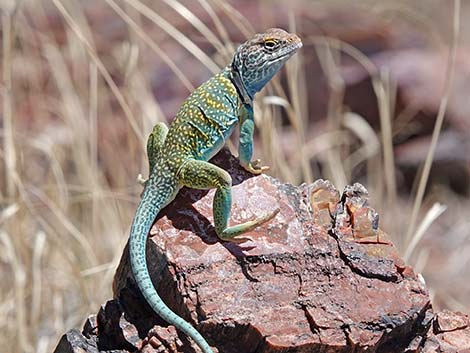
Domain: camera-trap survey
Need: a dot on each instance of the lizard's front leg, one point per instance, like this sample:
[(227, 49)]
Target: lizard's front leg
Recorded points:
[(154, 142), (204, 175), (245, 146)]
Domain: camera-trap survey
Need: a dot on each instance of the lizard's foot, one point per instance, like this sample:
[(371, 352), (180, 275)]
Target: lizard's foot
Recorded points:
[(238, 240), (231, 233), (255, 167), (141, 180), (203, 175)]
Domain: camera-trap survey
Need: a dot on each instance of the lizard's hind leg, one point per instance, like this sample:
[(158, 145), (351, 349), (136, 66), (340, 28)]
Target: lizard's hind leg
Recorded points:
[(203, 175), (154, 143)]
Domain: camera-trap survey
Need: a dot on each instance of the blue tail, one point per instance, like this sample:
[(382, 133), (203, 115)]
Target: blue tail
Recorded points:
[(153, 200)]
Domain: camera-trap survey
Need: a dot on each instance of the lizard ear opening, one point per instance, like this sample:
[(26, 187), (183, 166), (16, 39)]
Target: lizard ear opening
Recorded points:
[(238, 59)]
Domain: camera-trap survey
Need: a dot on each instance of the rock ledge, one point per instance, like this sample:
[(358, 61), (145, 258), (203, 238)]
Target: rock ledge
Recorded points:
[(320, 277)]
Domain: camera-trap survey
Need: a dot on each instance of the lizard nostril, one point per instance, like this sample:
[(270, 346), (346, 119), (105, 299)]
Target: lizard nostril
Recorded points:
[(293, 39)]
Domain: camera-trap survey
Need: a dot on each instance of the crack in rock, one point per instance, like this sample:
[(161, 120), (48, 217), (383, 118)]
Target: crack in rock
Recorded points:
[(307, 283)]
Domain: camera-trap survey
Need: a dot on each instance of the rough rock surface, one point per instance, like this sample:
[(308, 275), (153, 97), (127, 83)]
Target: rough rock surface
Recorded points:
[(449, 333), (320, 277)]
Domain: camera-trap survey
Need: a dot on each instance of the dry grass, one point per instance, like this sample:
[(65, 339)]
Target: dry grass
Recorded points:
[(76, 111)]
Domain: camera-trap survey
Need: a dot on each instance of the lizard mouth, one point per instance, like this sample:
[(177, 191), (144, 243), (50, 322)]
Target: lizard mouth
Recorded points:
[(298, 45), (289, 51)]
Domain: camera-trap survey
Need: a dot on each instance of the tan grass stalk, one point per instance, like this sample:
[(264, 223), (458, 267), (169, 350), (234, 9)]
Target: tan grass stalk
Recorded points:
[(93, 120), (230, 48), (102, 69), (235, 16), (152, 45), (61, 217), (433, 213), (323, 142), (298, 94), (36, 280), (176, 34), (329, 62), (19, 283), (385, 95), (450, 70), (405, 12), (370, 142), (196, 22), (8, 144)]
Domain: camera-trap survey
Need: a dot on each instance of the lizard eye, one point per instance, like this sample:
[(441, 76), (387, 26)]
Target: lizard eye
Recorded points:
[(270, 43)]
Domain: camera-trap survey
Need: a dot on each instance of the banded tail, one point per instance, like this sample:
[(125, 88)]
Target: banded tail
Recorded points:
[(153, 200)]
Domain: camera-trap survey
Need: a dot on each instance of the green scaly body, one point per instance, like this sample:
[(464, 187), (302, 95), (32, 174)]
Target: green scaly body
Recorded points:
[(178, 157)]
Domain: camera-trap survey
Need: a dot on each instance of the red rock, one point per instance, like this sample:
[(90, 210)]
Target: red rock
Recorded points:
[(74, 342), (299, 285), (450, 334), (447, 321), (294, 285)]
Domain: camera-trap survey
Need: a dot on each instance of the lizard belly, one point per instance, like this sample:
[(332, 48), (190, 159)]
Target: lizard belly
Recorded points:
[(210, 150)]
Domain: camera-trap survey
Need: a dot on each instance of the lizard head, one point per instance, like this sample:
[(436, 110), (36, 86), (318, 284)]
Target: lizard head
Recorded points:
[(257, 60)]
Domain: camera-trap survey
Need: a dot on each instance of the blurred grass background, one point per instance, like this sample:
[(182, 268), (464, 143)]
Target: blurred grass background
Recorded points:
[(377, 86)]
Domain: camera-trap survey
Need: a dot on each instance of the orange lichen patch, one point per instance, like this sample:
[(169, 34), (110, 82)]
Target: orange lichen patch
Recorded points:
[(323, 199), (363, 219)]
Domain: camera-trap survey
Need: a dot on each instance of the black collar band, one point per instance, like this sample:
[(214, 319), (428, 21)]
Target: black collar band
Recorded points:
[(241, 89)]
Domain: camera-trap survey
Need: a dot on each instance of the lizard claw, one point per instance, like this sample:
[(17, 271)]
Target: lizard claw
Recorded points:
[(141, 180), (255, 168), (239, 240)]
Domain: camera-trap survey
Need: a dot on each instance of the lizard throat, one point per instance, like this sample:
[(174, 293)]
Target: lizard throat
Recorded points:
[(235, 77)]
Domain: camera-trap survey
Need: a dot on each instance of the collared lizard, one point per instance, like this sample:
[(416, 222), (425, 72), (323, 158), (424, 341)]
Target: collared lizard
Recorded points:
[(179, 156)]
